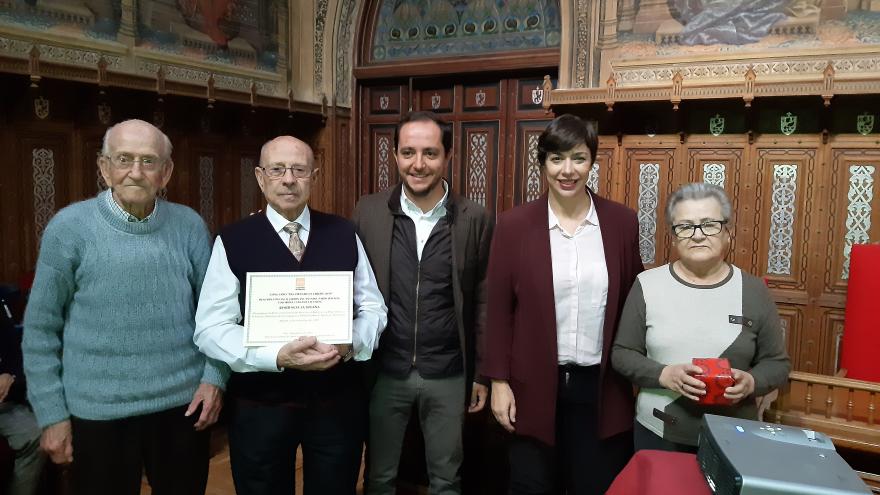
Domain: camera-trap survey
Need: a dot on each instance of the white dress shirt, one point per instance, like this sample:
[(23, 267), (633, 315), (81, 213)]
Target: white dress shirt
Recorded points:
[(580, 289), (425, 220), (219, 335)]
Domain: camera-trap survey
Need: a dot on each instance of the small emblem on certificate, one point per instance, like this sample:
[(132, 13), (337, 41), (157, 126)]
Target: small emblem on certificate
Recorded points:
[(284, 306)]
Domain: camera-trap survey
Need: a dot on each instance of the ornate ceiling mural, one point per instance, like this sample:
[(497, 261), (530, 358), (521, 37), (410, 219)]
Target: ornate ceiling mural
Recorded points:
[(437, 28), (237, 45)]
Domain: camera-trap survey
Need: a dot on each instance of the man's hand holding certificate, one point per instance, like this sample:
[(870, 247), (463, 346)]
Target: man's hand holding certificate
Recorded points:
[(307, 311), (307, 354)]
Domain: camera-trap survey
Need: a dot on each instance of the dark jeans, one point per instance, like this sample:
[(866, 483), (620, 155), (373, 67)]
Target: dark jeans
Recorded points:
[(111, 456), (581, 463), (263, 440), (645, 439)]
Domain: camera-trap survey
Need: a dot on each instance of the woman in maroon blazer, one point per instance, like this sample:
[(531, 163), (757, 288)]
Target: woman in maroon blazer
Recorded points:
[(559, 271)]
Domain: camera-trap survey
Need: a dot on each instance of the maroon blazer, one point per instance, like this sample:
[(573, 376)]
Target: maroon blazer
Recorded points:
[(521, 325)]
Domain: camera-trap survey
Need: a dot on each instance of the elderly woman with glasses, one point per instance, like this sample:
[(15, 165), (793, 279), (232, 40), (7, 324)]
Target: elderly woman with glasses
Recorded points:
[(699, 306)]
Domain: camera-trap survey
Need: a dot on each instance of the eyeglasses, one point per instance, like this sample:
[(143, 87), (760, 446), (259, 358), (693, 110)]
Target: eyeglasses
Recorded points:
[(687, 230), (277, 171), (126, 162)]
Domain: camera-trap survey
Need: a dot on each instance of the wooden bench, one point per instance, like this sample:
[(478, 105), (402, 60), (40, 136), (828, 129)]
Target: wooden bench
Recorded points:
[(842, 408)]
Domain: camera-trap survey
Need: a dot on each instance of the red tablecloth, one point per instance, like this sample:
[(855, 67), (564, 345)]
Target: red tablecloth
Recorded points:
[(654, 472)]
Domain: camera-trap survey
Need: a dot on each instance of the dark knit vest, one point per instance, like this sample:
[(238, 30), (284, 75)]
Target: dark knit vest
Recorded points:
[(252, 245)]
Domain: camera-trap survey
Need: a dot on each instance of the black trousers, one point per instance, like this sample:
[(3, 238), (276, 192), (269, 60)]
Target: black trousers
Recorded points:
[(110, 457), (580, 463), (263, 440)]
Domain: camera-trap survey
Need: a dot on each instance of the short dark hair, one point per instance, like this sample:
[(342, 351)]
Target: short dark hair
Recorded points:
[(564, 133), (423, 116)]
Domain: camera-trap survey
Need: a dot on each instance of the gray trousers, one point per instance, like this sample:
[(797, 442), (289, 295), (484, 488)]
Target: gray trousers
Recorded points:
[(19, 427), (441, 410)]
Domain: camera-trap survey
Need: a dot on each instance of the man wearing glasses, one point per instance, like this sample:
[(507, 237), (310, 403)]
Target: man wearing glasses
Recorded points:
[(115, 381), (301, 393)]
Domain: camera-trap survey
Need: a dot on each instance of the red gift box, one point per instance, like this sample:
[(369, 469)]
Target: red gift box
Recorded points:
[(717, 376)]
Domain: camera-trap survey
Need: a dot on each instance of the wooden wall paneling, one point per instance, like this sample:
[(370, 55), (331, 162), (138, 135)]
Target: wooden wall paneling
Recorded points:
[(602, 172), (88, 149), (528, 176), (851, 216), (853, 207), (383, 168), (250, 197), (10, 207), (178, 189), (479, 162), (650, 165), (345, 167), (831, 341), (720, 161), (788, 176), (381, 111), (790, 234), (45, 158), (205, 167), (227, 192), (791, 320)]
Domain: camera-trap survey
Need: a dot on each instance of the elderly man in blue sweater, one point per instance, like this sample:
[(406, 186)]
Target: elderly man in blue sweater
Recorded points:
[(115, 381)]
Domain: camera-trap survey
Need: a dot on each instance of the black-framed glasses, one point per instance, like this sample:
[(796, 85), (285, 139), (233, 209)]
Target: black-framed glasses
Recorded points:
[(124, 161), (278, 171), (687, 230)]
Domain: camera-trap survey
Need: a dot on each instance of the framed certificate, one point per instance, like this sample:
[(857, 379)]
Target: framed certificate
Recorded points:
[(283, 306)]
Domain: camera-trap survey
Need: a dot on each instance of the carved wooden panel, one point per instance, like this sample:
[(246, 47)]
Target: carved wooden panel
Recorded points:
[(250, 196), (438, 100), (479, 164), (383, 169), (831, 341), (530, 95), (786, 177), (723, 167), (791, 319), (649, 180), (853, 215), (385, 100), (529, 180), (482, 98)]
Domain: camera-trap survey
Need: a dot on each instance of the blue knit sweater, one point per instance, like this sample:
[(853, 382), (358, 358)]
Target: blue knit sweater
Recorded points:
[(109, 324)]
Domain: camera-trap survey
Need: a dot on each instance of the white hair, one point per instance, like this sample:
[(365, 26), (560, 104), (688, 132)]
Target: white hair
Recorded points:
[(697, 191), (166, 143)]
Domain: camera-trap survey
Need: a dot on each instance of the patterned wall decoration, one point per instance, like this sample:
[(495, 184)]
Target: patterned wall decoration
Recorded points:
[(43, 163), (248, 186), (478, 150), (432, 28), (320, 21), (593, 178), (344, 37), (383, 162), (714, 173), (649, 177), (858, 211), (533, 169), (782, 218), (206, 189)]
